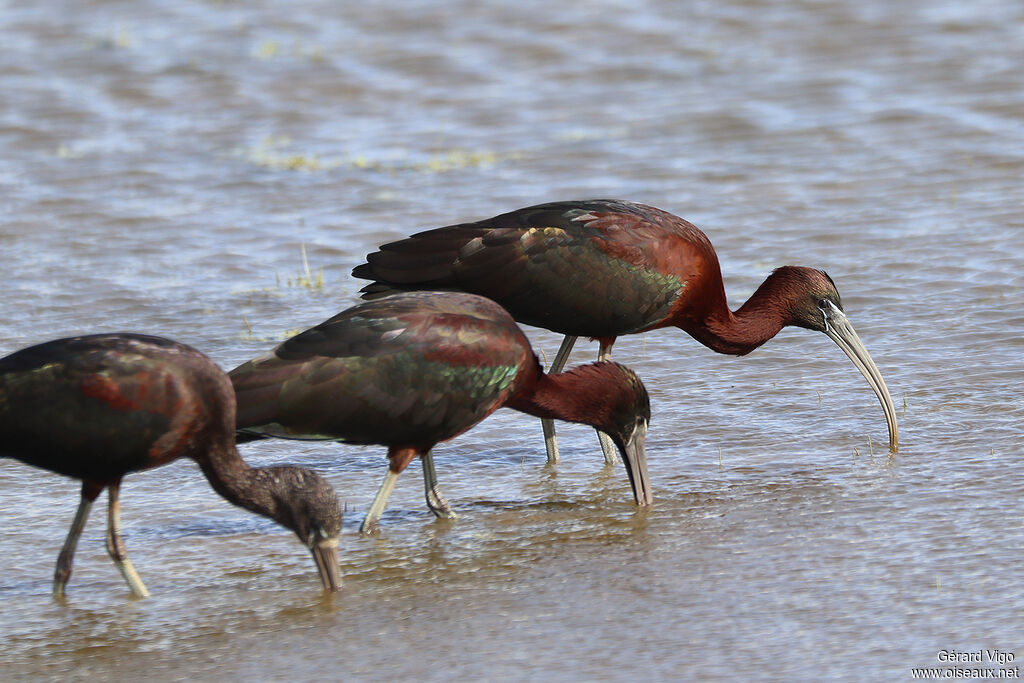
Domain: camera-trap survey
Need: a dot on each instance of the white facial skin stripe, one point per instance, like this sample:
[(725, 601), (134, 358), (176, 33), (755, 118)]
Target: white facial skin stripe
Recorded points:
[(826, 312)]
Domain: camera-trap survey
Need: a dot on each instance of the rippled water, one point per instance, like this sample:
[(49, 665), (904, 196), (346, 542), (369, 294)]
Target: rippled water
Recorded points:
[(162, 166)]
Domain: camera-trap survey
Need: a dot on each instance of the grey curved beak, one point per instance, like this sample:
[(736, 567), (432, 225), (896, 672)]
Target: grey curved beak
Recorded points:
[(634, 457), (839, 330), (325, 554)]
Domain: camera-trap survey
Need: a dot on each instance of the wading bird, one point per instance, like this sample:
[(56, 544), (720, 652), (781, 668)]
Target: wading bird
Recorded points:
[(605, 268), (98, 407), (413, 370)]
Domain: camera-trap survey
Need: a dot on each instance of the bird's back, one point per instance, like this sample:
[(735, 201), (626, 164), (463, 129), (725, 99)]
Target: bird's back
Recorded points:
[(408, 370), (598, 268), (99, 406)]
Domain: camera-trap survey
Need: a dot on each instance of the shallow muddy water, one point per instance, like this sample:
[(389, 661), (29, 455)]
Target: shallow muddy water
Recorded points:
[(162, 170)]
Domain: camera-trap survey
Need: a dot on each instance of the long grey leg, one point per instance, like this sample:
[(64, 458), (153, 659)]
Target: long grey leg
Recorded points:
[(67, 552), (115, 544), (435, 501), (369, 524), (550, 441), (611, 453)]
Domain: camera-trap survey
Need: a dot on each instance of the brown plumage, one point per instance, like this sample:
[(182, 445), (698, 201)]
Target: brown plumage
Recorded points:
[(99, 407), (412, 370), (605, 268)]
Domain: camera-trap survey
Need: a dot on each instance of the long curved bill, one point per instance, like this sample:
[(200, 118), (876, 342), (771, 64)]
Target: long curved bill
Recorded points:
[(634, 457), (325, 554), (839, 330)]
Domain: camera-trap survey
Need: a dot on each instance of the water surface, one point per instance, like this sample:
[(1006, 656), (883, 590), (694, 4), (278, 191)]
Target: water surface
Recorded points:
[(162, 169)]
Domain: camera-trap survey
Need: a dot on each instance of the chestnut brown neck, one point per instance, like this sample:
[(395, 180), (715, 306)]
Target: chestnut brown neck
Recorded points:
[(759, 319), (580, 395), (237, 482)]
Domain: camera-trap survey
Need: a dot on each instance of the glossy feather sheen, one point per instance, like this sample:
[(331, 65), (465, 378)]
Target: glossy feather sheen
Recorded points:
[(101, 406), (411, 370), (99, 410), (604, 268), (414, 369)]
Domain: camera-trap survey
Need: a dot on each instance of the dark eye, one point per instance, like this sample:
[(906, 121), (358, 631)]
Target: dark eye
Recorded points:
[(823, 303)]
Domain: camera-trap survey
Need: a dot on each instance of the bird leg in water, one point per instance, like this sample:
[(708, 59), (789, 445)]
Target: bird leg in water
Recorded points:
[(399, 459), (550, 440), (435, 501), (67, 553), (369, 525), (115, 544), (611, 453)]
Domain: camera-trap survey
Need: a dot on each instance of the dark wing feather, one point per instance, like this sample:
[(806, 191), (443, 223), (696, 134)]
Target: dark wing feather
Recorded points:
[(597, 268), (425, 260), (100, 406), (412, 369)]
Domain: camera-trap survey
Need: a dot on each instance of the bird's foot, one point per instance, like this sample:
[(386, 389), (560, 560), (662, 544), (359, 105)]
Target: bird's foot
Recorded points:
[(369, 527), (438, 505)]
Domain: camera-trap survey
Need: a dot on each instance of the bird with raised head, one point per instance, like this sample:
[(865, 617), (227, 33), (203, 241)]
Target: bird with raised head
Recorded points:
[(606, 268)]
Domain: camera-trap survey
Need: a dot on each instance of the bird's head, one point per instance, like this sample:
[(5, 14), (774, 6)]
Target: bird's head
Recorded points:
[(308, 505), (621, 409), (810, 294), (814, 304)]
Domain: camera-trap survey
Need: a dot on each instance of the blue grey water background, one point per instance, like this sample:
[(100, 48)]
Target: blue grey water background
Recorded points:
[(164, 166)]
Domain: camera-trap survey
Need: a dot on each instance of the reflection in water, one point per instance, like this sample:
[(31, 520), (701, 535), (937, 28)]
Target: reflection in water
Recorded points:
[(163, 166)]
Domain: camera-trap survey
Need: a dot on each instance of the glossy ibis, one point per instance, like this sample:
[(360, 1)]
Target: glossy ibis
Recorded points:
[(605, 268), (412, 370), (98, 407)]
